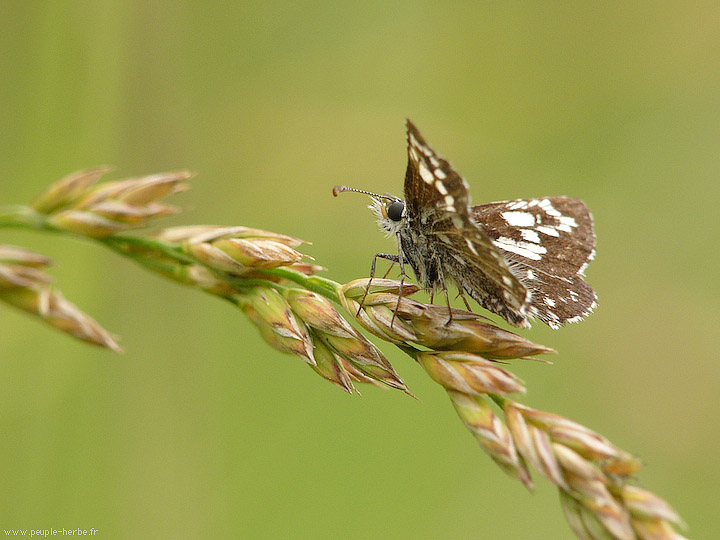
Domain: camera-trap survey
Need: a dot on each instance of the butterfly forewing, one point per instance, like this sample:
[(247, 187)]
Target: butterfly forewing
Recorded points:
[(438, 213), (431, 184), (479, 269)]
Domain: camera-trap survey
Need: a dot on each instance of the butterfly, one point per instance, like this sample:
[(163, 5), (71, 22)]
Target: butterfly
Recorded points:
[(521, 259)]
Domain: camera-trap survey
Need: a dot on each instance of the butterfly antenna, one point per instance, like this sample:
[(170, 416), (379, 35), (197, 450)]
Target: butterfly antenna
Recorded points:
[(337, 190)]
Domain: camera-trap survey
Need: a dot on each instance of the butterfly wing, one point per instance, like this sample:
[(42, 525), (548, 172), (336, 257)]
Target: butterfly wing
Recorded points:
[(432, 186), (439, 214), (548, 243)]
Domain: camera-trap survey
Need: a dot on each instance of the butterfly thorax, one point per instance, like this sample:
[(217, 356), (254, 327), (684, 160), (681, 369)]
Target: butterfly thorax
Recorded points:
[(420, 254), (413, 247)]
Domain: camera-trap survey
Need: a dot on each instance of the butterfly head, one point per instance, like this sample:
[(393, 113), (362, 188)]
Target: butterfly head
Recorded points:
[(389, 211)]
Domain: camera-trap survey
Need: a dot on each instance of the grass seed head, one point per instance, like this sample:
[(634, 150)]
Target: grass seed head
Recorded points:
[(405, 320), (277, 324), (67, 191), (258, 253), (584, 523), (356, 289), (588, 443), (592, 476), (86, 223), (656, 530), (149, 189), (646, 506), (77, 204), (232, 249), (209, 233), (468, 373), (16, 275), (131, 214), (54, 309), (215, 258), (492, 434), (201, 277), (21, 256), (20, 267), (318, 312), (331, 367)]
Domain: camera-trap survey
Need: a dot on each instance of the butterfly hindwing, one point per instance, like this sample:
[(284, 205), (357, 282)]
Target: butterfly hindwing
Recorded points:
[(547, 242)]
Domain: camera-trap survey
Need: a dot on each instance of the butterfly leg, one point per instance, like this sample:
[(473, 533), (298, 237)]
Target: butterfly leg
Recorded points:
[(462, 295), (387, 256), (441, 280), (401, 262)]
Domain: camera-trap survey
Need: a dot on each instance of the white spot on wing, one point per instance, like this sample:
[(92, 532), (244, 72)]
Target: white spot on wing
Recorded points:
[(550, 210), (518, 205), (530, 235), (567, 223), (568, 220), (425, 173), (530, 274), (524, 249), (519, 219), (549, 301), (440, 174), (550, 231), (440, 186), (450, 203)]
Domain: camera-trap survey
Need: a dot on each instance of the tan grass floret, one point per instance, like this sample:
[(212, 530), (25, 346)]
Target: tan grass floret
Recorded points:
[(26, 286)]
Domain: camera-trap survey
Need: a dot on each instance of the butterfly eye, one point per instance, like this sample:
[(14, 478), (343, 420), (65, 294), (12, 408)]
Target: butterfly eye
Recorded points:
[(395, 210)]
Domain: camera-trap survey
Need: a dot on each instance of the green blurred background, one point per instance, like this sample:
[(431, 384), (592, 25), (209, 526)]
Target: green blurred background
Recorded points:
[(202, 431)]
